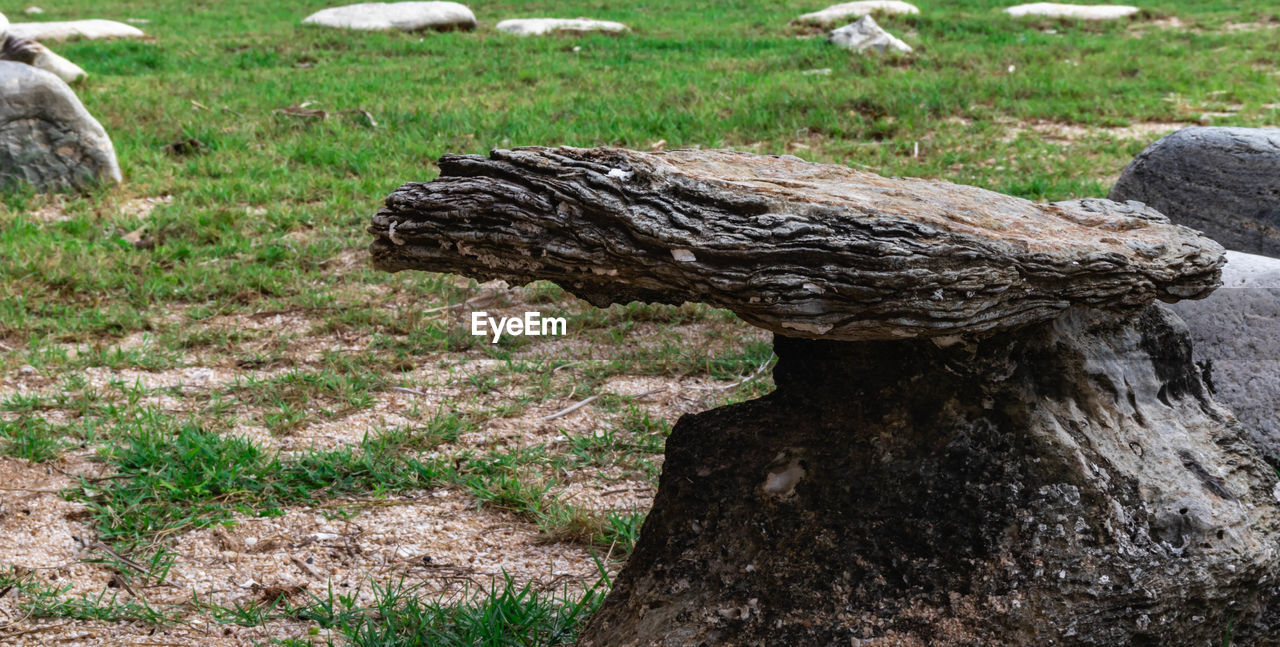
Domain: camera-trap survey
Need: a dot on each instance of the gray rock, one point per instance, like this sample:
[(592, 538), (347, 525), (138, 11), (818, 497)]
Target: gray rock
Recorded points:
[(1236, 340), (47, 138), (402, 16), (89, 29), (1067, 484), (866, 34), (1222, 181)]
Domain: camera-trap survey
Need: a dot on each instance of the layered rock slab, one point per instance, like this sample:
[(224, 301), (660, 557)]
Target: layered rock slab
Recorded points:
[(807, 250), (47, 138), (1071, 483), (1222, 181)]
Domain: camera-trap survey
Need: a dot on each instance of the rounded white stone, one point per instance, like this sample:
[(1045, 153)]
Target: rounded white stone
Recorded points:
[(90, 29), (541, 26), (858, 10), (1083, 12), (402, 16)]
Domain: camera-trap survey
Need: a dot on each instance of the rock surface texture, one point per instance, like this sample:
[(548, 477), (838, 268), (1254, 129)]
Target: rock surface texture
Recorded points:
[(1033, 461), (47, 138), (1069, 484), (1236, 336), (808, 250), (866, 34), (90, 29), (842, 11), (1222, 181), (403, 16), (543, 26), (1078, 11)]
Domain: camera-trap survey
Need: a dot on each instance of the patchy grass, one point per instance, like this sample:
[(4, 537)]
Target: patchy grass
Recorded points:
[(204, 345)]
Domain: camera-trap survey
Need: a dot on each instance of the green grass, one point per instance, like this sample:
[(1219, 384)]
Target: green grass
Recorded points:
[(174, 479), (256, 263)]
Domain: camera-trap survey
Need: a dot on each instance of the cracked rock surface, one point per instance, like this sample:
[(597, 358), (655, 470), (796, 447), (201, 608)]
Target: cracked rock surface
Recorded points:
[(801, 249)]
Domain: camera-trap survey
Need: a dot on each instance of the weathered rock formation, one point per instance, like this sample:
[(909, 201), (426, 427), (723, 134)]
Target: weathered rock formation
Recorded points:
[(991, 435), (401, 16), (1222, 181), (47, 138), (857, 9)]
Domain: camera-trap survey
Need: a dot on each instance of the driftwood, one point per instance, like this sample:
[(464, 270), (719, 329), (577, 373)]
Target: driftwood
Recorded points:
[(801, 249)]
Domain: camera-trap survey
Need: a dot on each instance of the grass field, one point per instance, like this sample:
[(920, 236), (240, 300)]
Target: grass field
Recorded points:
[(218, 424)]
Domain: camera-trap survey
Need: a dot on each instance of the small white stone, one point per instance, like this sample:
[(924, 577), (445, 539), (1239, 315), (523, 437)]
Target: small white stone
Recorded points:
[(31, 11), (88, 29), (402, 16), (857, 10), (620, 174), (683, 255), (543, 26), (1083, 12)]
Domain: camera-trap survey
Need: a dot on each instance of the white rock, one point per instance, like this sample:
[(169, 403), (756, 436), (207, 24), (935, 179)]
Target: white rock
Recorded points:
[(60, 67), (866, 34), (91, 29), (541, 26), (404, 16), (857, 10), (31, 11), (1083, 12)]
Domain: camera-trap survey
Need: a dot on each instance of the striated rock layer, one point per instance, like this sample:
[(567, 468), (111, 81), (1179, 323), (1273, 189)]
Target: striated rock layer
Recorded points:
[(1071, 483), (807, 250)]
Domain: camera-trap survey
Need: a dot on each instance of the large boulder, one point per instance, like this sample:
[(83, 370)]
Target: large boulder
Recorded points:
[(866, 34), (543, 26), (858, 9), (1236, 336), (984, 432), (88, 29), (47, 138), (1222, 181), (401, 16)]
